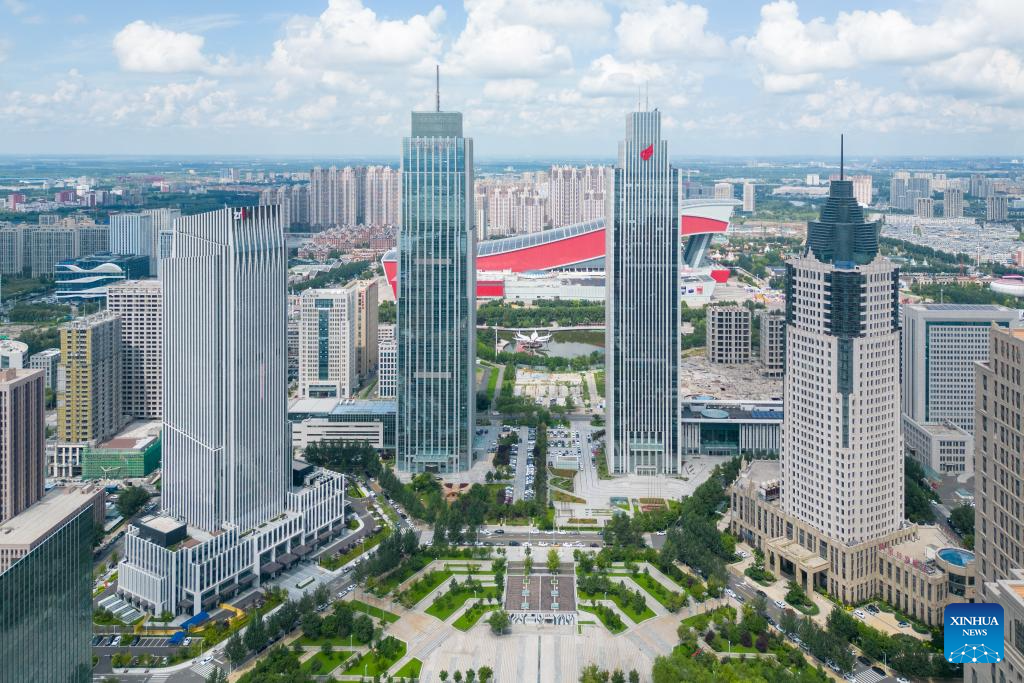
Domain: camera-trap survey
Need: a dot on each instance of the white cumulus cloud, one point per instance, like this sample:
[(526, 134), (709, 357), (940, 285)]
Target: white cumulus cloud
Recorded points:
[(667, 29), (145, 47)]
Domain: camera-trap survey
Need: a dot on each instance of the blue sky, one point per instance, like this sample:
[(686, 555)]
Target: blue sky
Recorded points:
[(533, 77)]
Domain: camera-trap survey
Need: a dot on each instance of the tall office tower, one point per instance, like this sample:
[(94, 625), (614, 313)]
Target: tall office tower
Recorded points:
[(89, 384), (383, 196), (898, 198), (436, 297), (642, 302), (47, 360), (997, 207), (327, 343), (953, 203), (998, 525), (140, 306), (366, 316), (138, 234), (748, 197), (46, 588), (772, 341), (226, 443), (724, 191), (941, 344), (22, 440), (387, 369), (728, 330), (842, 458), (924, 207)]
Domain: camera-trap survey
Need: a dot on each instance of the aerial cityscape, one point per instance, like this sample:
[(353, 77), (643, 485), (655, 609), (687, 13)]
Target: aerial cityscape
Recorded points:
[(511, 340)]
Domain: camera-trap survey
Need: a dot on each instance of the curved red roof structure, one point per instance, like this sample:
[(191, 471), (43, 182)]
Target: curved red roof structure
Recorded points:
[(582, 246)]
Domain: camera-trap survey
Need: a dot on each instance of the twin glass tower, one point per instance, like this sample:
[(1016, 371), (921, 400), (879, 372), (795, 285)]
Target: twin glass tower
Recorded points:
[(642, 305), (436, 329)]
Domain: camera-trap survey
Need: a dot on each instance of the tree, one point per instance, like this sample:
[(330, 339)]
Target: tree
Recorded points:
[(131, 500), (443, 675), (255, 634), (235, 650), (499, 621), (485, 673), (842, 625), (618, 676), (788, 622), (634, 676), (470, 676), (554, 561), (217, 676), (457, 676), (362, 628), (528, 565), (962, 519)]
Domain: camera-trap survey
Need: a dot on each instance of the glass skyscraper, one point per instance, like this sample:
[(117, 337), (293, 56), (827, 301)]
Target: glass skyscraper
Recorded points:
[(46, 605), (436, 328), (642, 332)]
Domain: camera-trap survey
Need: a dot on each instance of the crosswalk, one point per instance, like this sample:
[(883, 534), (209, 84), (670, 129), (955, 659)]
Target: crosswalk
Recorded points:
[(869, 676), (205, 670)]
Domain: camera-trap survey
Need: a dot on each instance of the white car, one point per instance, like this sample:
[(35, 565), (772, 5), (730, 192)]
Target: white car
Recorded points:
[(543, 544), (859, 613), (730, 592), (780, 604), (744, 554)]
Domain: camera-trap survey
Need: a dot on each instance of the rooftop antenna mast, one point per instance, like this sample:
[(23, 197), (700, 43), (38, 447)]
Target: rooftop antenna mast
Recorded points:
[(842, 175), (647, 96), (437, 87)]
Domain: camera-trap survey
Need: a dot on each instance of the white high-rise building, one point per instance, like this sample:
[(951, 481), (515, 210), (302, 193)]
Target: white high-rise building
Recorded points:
[(226, 442), (842, 457), (862, 189), (953, 203), (725, 190), (327, 343), (163, 227), (135, 233), (335, 196), (139, 303), (387, 372), (227, 468), (997, 207), (941, 344), (576, 195), (728, 334), (383, 198), (748, 197), (924, 207), (813, 179), (642, 332)]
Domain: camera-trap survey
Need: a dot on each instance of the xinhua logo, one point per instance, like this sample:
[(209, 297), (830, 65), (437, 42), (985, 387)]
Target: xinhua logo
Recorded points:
[(974, 633)]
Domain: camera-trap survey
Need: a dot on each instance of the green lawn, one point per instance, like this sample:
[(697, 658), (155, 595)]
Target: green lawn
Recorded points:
[(654, 588), (472, 615), (447, 604), (335, 641), (492, 382), (424, 585), (593, 610), (375, 612), (699, 622), (635, 617), (410, 669), (325, 663), (371, 665)]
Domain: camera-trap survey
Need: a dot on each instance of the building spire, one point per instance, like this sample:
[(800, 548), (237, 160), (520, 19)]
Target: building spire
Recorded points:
[(842, 174), (437, 87), (647, 95)]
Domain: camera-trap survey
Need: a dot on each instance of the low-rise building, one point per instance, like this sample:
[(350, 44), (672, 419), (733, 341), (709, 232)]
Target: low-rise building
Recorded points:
[(711, 427), (12, 353), (46, 360), (315, 420), (133, 453), (939, 446), (87, 278)]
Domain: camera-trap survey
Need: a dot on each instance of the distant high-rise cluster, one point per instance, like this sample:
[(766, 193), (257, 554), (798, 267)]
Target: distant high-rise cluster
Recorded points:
[(508, 207), (862, 187), (38, 248), (352, 196), (294, 203), (904, 190), (577, 195)]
